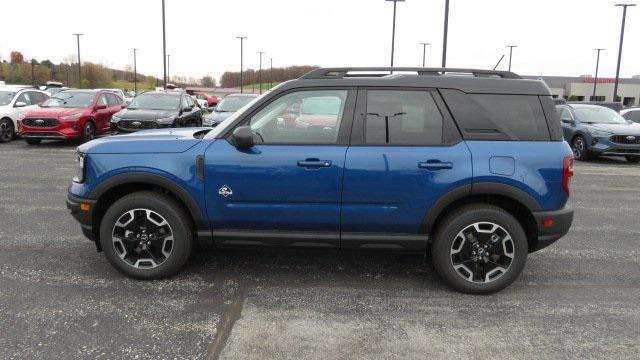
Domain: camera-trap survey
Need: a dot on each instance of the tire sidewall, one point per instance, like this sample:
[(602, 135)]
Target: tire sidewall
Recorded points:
[(167, 208), (85, 138), (584, 154), (9, 124), (452, 225)]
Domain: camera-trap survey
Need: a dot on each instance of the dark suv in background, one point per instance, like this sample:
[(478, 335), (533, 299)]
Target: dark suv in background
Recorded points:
[(153, 110), (597, 130)]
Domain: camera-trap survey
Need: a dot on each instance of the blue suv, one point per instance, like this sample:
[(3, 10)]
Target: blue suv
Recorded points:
[(594, 130), (468, 166)]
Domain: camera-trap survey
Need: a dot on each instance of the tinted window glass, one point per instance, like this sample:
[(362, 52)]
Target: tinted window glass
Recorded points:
[(498, 117), (37, 97), (399, 117), (25, 97), (112, 100), (303, 117), (634, 116), (565, 114)]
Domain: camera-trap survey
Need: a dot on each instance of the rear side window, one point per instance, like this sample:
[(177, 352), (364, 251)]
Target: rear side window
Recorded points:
[(498, 116), (399, 117)]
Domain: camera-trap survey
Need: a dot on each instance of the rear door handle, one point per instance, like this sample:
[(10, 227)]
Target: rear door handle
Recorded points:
[(314, 163), (435, 165)]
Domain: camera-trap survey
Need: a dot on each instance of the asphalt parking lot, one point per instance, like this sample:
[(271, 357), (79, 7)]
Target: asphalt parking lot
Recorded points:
[(61, 299)]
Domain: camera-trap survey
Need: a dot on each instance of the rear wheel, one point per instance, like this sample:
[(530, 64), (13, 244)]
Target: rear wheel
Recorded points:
[(579, 147), (633, 159), (7, 132), (146, 235), (32, 141), (479, 249)]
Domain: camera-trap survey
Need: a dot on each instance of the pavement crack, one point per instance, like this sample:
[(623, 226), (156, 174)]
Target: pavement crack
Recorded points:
[(227, 322)]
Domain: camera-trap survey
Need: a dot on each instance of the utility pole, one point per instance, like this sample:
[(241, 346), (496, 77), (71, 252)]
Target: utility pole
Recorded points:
[(79, 67), (168, 68), (424, 52), (164, 47), (511, 54), (135, 72), (393, 29), (241, 60), (446, 33), (271, 73), (624, 17), (595, 81), (260, 71)]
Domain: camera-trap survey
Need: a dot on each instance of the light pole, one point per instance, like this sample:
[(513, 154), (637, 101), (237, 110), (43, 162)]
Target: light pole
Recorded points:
[(445, 34), (135, 72), (424, 52), (270, 73), (164, 48), (511, 53), (241, 56), (260, 71), (595, 81), (393, 30), (79, 68), (168, 68), (624, 17)]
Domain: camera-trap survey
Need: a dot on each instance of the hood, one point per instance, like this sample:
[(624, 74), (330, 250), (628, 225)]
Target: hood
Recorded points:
[(617, 129), (145, 114), (53, 112), (159, 141), (218, 117)]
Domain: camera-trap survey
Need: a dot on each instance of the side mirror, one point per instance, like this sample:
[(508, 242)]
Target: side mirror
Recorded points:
[(243, 137), (101, 107), (20, 104)]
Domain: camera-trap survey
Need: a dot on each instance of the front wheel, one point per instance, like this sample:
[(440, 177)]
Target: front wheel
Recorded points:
[(579, 147), (479, 249), (146, 235), (633, 159), (7, 132), (88, 132)]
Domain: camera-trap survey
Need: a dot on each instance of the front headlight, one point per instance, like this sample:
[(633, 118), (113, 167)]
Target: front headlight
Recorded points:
[(72, 117), (600, 133), (167, 120), (80, 164), (115, 119)]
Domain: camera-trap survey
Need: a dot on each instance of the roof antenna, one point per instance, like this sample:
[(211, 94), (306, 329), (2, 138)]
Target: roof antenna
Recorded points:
[(499, 61)]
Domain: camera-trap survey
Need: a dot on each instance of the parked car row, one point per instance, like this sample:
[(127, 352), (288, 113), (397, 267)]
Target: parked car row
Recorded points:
[(81, 115)]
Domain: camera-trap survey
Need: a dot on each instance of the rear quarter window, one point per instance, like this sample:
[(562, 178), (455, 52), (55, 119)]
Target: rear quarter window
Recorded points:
[(498, 116)]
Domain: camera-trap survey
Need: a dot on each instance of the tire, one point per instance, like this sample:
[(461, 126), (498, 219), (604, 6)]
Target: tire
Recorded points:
[(634, 159), (451, 246), (32, 141), (123, 246), (88, 132), (7, 131), (579, 147)]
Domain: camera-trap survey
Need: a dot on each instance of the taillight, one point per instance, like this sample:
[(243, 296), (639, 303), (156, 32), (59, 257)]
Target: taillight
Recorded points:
[(567, 173)]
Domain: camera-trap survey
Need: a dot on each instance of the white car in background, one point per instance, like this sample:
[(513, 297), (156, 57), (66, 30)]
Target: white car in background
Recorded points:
[(14, 102), (631, 114)]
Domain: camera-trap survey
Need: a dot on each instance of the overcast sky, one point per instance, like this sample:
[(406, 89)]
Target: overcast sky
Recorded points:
[(555, 37)]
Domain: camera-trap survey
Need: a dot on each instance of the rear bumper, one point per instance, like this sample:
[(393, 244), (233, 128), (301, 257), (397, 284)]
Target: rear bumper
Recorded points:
[(552, 225), (84, 217)]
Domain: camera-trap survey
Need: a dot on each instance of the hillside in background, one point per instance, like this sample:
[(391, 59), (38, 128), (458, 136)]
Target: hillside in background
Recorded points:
[(250, 76)]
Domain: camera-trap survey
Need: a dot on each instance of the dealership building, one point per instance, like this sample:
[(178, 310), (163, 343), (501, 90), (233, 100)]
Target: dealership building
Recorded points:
[(581, 88)]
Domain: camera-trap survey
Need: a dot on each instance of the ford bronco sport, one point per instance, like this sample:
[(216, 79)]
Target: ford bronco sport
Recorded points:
[(468, 166)]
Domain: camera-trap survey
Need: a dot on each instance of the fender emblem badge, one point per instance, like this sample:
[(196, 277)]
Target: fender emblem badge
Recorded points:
[(225, 191)]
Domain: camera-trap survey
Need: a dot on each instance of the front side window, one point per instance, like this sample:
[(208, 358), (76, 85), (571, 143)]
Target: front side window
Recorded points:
[(565, 114), (25, 98), (398, 117), (113, 100), (302, 117)]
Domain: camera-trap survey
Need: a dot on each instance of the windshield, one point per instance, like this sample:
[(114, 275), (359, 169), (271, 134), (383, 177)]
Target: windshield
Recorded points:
[(599, 115), (6, 97), (233, 103), (155, 102), (67, 99)]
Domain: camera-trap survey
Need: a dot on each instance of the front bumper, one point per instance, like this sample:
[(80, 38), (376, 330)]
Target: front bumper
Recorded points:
[(82, 210), (126, 126), (607, 147), (552, 225)]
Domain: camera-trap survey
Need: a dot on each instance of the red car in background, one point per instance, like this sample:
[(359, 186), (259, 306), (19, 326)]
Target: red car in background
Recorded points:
[(71, 115), (212, 101)]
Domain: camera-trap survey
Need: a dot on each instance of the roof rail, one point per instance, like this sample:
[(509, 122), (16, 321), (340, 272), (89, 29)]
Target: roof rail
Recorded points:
[(339, 73)]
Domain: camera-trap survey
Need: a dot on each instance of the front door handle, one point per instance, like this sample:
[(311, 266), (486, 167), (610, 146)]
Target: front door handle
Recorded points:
[(435, 165), (314, 163)]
